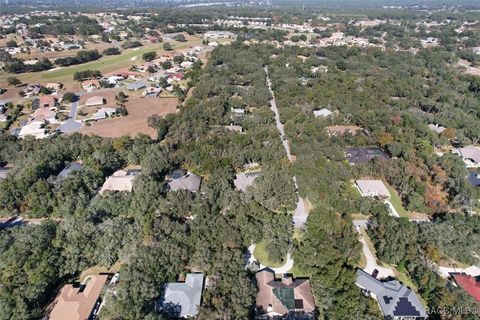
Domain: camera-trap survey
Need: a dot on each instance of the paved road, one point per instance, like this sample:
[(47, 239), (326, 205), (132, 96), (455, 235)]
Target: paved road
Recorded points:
[(300, 215), (71, 124)]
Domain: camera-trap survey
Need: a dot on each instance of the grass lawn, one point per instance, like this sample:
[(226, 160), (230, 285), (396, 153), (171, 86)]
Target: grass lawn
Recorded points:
[(297, 272), (360, 216), (297, 235), (403, 278), (396, 201), (362, 262), (99, 269), (261, 254)]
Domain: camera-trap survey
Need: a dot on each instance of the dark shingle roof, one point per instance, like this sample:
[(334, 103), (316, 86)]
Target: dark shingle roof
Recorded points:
[(356, 155)]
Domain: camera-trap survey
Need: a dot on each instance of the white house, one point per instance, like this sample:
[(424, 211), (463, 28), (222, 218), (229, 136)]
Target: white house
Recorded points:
[(324, 113), (372, 188)]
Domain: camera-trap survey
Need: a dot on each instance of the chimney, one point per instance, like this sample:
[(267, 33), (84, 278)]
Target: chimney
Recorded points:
[(287, 281)]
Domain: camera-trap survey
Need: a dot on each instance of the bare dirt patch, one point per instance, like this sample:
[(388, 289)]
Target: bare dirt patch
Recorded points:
[(139, 109), (468, 68)]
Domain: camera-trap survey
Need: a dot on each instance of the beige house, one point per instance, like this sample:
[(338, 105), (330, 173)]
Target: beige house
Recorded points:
[(95, 101), (121, 180), (77, 302)]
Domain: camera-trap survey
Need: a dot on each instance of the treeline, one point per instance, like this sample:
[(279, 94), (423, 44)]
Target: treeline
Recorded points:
[(14, 65), (65, 25), (413, 248), (81, 57)]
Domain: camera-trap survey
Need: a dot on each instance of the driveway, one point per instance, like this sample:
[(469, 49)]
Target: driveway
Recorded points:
[(279, 270), (71, 124), (372, 261), (392, 210), (300, 215)]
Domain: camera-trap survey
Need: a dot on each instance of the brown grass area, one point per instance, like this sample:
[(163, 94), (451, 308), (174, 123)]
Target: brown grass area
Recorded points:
[(139, 109)]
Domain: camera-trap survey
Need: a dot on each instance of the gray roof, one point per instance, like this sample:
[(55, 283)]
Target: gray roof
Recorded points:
[(395, 299), (474, 179), (245, 180), (136, 85), (190, 182), (183, 298), (72, 167)]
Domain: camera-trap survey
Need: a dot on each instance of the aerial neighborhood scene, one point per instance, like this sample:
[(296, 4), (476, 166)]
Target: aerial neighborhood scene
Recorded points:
[(237, 160)]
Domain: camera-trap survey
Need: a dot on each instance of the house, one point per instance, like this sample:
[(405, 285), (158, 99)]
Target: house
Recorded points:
[(186, 64), (79, 301), (4, 169), (103, 113), (183, 299), (121, 180), (53, 86), (245, 180), (234, 128), (219, 34), (286, 296), (138, 85), (44, 114), (474, 179), (177, 76), (342, 130), (357, 155), (89, 85), (114, 80), (437, 128), (35, 129), (372, 188), (47, 102), (95, 101), (396, 300), (71, 167), (181, 180), (237, 111), (324, 113), (152, 92), (470, 284), (470, 155)]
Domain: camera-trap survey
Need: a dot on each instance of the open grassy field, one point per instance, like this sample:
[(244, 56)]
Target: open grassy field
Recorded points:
[(262, 255), (139, 109)]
